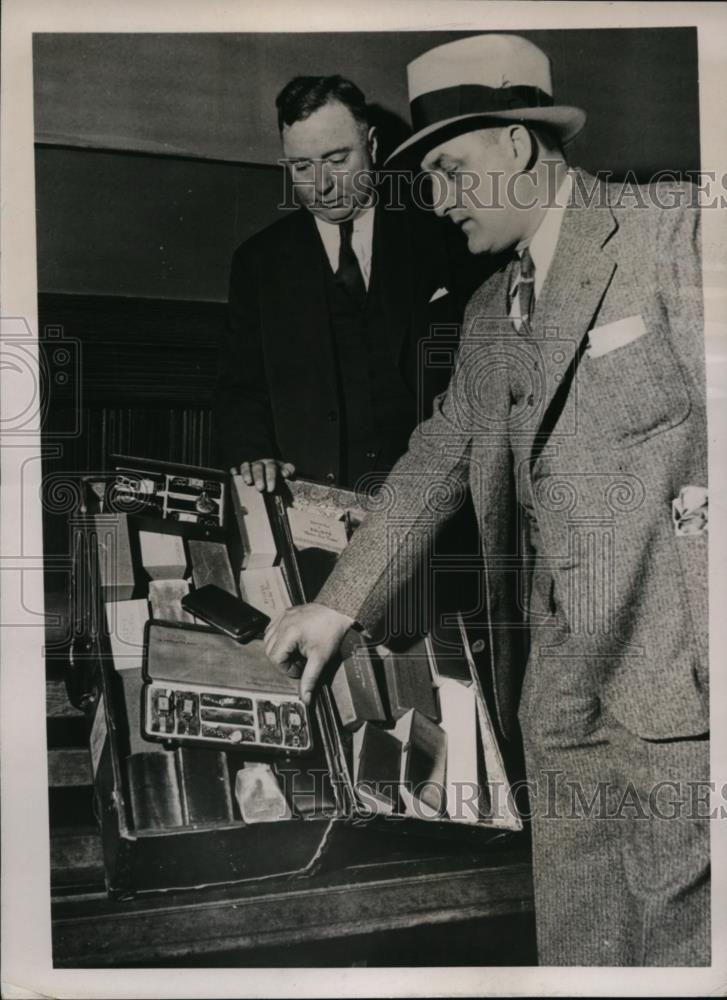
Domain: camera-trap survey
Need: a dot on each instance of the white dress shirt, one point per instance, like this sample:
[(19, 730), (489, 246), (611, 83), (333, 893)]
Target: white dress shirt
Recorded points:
[(542, 245), (361, 241)]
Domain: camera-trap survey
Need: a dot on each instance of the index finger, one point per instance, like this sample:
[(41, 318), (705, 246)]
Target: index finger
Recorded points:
[(309, 678), (281, 644)]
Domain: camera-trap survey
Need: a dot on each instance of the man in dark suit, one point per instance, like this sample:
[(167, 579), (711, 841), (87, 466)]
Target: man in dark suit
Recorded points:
[(321, 373)]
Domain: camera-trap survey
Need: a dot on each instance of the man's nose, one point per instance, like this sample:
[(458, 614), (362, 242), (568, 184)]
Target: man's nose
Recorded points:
[(325, 179), (443, 194)]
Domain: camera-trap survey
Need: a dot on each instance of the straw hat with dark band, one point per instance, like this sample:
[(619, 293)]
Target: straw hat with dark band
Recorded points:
[(467, 84)]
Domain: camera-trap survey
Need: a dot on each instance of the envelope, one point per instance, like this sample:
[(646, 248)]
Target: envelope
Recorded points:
[(604, 339)]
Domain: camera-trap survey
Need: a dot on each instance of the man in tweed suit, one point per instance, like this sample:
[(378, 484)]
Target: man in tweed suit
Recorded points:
[(576, 416)]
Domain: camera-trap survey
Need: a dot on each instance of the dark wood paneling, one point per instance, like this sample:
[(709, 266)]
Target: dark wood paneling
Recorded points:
[(140, 381), (138, 350), (121, 224)]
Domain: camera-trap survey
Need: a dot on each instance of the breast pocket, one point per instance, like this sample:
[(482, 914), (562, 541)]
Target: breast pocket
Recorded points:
[(635, 391)]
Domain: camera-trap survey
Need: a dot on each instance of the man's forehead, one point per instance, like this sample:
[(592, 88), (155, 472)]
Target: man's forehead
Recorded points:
[(325, 130)]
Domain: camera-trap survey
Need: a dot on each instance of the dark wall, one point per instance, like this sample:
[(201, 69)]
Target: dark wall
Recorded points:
[(212, 94), (163, 221), (139, 225)]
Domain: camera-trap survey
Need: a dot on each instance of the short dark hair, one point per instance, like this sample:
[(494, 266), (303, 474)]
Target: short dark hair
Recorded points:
[(547, 136), (305, 94)]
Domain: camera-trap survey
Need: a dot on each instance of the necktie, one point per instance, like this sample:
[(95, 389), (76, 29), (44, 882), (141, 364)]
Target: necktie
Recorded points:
[(349, 272), (523, 287)]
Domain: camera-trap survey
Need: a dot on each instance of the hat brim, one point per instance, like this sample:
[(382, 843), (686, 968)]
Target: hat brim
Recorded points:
[(566, 121)]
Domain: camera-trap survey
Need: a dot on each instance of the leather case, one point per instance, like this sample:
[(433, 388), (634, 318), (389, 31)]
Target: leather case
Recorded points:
[(183, 839)]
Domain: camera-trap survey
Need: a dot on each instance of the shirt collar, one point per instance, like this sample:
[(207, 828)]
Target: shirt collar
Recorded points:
[(543, 242), (364, 223), (362, 241), (363, 233)]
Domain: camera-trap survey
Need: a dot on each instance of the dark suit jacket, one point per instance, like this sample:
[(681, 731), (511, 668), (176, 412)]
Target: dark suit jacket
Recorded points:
[(277, 391)]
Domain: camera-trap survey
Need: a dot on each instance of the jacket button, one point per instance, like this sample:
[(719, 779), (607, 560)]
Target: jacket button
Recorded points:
[(332, 416), (330, 477), (371, 455)]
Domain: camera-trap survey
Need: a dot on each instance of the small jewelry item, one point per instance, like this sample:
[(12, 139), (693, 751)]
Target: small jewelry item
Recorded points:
[(204, 505)]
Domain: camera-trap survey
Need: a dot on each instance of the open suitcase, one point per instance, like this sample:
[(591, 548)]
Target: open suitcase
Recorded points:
[(207, 767)]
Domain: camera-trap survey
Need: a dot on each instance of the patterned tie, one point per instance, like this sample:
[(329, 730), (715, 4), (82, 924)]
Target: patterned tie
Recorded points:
[(523, 286), (349, 272)]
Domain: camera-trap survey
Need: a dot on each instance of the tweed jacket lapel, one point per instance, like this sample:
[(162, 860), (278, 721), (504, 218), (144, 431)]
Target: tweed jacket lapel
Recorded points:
[(487, 311), (578, 278)]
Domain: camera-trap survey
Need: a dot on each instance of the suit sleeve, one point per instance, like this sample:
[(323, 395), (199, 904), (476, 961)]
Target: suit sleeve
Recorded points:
[(679, 279), (242, 410), (390, 547), (681, 285)]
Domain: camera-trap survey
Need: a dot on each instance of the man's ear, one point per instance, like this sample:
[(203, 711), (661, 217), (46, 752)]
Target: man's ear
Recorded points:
[(521, 146), (372, 141)]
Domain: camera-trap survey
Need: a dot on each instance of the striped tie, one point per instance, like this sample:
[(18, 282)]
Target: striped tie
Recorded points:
[(523, 288)]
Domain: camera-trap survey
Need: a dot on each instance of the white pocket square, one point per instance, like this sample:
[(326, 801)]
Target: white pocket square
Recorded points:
[(606, 338), (690, 510), (440, 292)]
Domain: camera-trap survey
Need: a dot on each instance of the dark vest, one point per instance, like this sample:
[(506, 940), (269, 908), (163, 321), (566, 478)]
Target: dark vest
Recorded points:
[(377, 410)]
